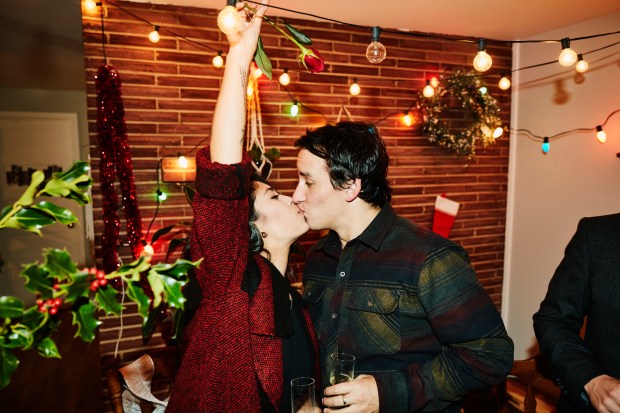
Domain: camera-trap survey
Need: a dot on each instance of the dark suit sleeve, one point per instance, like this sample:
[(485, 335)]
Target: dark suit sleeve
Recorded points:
[(561, 315)]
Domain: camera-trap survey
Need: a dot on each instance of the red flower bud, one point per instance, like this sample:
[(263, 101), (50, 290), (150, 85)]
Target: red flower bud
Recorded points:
[(313, 61)]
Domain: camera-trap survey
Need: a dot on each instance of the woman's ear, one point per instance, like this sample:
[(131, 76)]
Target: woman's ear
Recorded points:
[(353, 190)]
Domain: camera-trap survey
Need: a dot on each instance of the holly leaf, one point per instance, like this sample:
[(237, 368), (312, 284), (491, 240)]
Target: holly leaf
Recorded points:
[(131, 271), (8, 364), (62, 215), (72, 184), (178, 269), (106, 297), (84, 318), (173, 292), (78, 288), (262, 60), (157, 285), (175, 244), (150, 322), (136, 293), (160, 232), (59, 264), (299, 36), (20, 336), (11, 307), (29, 194), (47, 348), (29, 220), (37, 280)]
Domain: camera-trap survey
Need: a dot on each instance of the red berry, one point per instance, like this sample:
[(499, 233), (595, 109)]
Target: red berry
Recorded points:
[(53, 310), (93, 270), (57, 302), (39, 302), (42, 308), (100, 274), (49, 302), (103, 282), (55, 286), (94, 285)]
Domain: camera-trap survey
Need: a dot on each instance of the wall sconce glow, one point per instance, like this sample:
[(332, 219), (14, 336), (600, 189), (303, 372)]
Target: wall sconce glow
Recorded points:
[(545, 145), (498, 132), (434, 82), (504, 83), (568, 56), (354, 89), (428, 90), (375, 52), (229, 20), (601, 136), (218, 61), (408, 120), (294, 109), (482, 61), (582, 65), (284, 78), (154, 35), (182, 162)]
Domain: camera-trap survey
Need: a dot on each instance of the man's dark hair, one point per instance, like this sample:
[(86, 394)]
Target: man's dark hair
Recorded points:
[(352, 150)]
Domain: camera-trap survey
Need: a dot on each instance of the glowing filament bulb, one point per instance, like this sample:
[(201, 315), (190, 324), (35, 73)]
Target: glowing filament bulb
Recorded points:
[(504, 83), (375, 52), (545, 146), (182, 160), (148, 249), (428, 90), (600, 134), (582, 65), (482, 61), (434, 82), (354, 89), (498, 132), (218, 61), (408, 119), (90, 5), (257, 73), (568, 57), (284, 78), (229, 20), (294, 109), (154, 35)]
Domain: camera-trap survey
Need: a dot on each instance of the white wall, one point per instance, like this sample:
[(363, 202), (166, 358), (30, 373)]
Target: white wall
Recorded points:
[(578, 177)]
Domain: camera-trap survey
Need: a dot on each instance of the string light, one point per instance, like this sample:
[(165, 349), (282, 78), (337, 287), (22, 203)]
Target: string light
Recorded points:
[(147, 248), (90, 5), (434, 82), (408, 120), (482, 61), (284, 78), (545, 145), (504, 82), (229, 20), (218, 61), (483, 90), (182, 161), (354, 89), (161, 196), (582, 65), (568, 57), (250, 89), (601, 136), (257, 73), (428, 90), (498, 132), (154, 35), (294, 109), (375, 52)]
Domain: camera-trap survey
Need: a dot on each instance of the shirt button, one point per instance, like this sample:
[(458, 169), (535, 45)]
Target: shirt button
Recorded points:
[(370, 304), (342, 274), (334, 315)]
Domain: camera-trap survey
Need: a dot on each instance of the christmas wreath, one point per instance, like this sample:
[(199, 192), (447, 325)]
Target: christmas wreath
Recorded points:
[(481, 109)]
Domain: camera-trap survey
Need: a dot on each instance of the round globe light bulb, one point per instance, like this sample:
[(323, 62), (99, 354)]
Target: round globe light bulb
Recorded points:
[(408, 119), (182, 162), (90, 5), (375, 52), (434, 82), (229, 20), (482, 61), (154, 36), (355, 89), (148, 249), (568, 57), (498, 132), (284, 78), (582, 66), (257, 73), (504, 83), (428, 91), (218, 61), (294, 109)]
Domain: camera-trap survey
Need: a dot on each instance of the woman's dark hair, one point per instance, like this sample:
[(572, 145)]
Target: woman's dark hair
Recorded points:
[(256, 240), (352, 150)]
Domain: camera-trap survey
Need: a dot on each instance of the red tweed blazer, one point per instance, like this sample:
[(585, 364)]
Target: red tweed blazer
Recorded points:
[(232, 349)]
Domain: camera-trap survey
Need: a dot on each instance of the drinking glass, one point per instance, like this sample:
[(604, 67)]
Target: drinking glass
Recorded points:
[(302, 395), (342, 368)]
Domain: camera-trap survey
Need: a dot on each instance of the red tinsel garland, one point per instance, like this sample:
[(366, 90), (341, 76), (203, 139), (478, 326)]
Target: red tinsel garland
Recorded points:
[(115, 157)]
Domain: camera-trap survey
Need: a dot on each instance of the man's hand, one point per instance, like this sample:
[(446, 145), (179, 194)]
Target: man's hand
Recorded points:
[(604, 393), (359, 395)]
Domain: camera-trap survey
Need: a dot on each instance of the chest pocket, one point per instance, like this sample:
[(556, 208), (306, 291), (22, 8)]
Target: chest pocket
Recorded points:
[(374, 320), (315, 295)]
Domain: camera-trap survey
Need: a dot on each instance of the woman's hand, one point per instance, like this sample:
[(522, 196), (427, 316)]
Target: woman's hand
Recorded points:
[(244, 41)]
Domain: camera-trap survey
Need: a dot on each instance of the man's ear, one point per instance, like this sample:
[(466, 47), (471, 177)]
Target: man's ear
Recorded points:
[(353, 190)]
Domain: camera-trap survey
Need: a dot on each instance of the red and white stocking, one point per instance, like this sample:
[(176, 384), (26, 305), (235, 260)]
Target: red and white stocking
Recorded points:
[(445, 212)]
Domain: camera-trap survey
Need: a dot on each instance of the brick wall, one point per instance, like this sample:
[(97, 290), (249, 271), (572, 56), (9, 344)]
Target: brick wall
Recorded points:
[(169, 92)]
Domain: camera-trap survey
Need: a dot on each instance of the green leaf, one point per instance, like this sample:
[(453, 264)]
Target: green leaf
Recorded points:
[(79, 172), (29, 194), (178, 270), (157, 285), (11, 307), (106, 297), (32, 318), (78, 288), (160, 232), (37, 280), (59, 264), (29, 220), (262, 60), (63, 215), (73, 184), (136, 293), (176, 243), (189, 193), (179, 324), (150, 322), (132, 270), (86, 322), (173, 291), (20, 336), (8, 364), (47, 348), (299, 36)]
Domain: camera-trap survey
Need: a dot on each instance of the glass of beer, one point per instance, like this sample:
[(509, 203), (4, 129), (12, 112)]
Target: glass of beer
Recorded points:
[(342, 367)]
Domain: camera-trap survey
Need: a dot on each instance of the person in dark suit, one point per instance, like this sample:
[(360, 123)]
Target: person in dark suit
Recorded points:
[(585, 288)]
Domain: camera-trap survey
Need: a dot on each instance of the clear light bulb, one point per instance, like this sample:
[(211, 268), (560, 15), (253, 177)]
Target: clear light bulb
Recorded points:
[(428, 90), (182, 161), (568, 56), (582, 65), (154, 35), (408, 119), (90, 5), (148, 249), (284, 78), (482, 61), (504, 83), (483, 90), (434, 82), (498, 132), (218, 61), (600, 134), (257, 73), (375, 52), (355, 89), (229, 20), (294, 109), (545, 145)]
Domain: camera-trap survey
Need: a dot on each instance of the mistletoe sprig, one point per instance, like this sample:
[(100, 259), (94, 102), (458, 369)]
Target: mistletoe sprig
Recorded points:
[(481, 108), (58, 282)]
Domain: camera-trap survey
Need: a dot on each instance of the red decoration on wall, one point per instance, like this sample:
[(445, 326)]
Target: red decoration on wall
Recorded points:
[(115, 158)]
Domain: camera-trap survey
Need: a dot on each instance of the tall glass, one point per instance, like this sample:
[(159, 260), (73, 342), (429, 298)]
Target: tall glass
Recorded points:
[(302, 395), (342, 368)]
